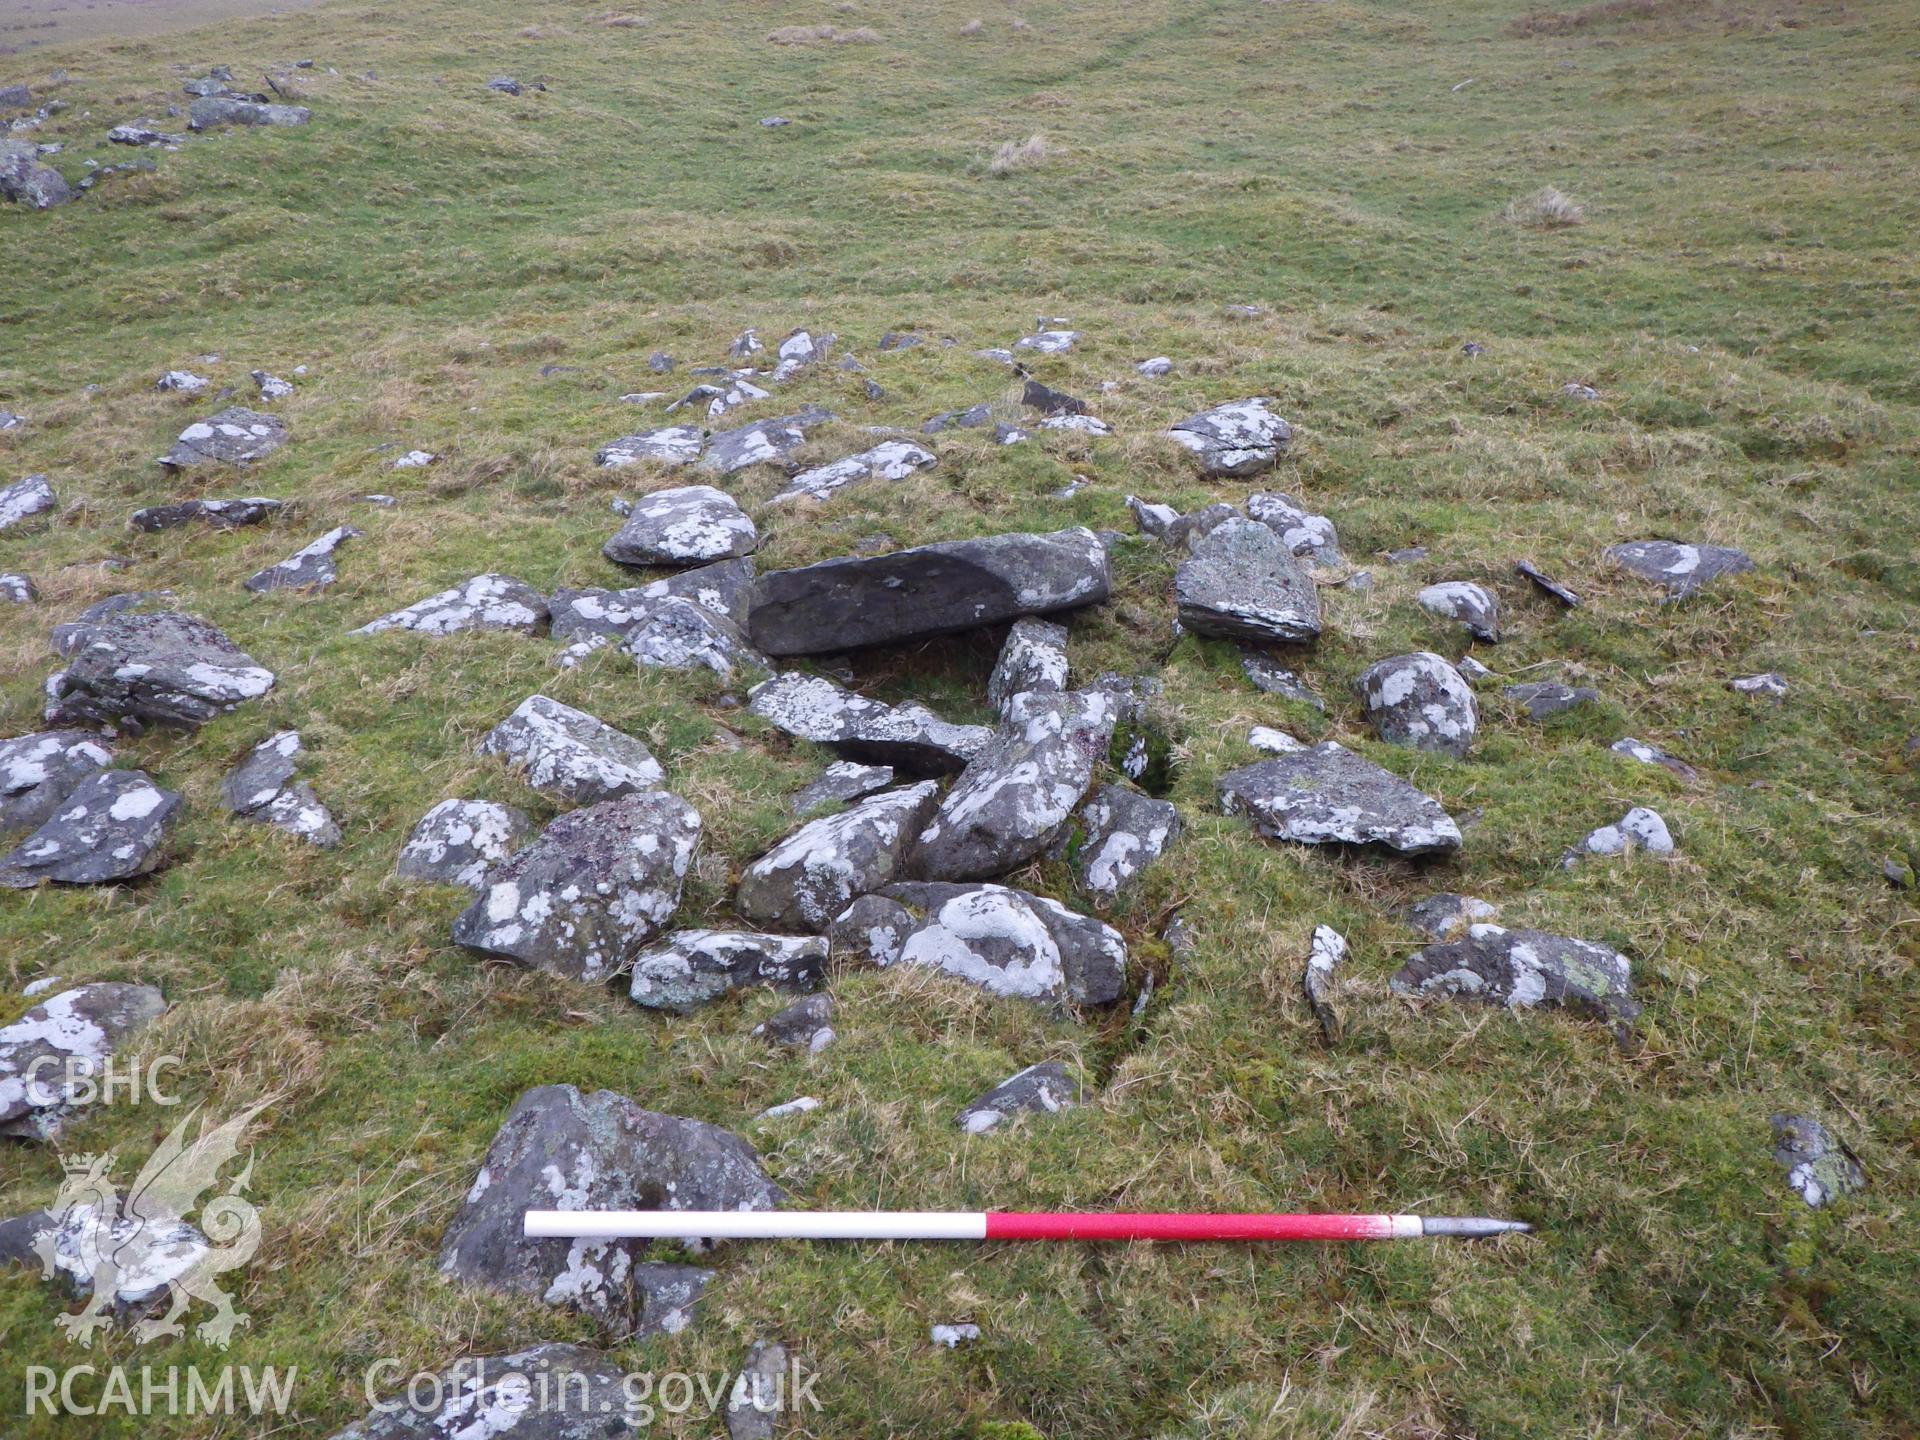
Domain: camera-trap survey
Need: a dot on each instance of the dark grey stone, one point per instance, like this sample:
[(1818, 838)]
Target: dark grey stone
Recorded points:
[(24, 499), (1544, 698), (210, 112), (221, 514), (17, 589), (24, 180), (1547, 585), (1123, 832), (673, 445), (912, 737), (1653, 755), (1242, 582), (1819, 1167), (689, 525), (806, 1024), (1327, 795), (486, 602), (842, 781), (68, 1037), (764, 442), (109, 828), (39, 771), (1238, 439), (132, 669), (1522, 969), (458, 842), (545, 1392), (1270, 676), (1446, 916), (1033, 661), (1681, 568), (1421, 701), (262, 787), (233, 436), (1043, 1089), (309, 568), (691, 968), (815, 873), (1474, 606), (570, 753)]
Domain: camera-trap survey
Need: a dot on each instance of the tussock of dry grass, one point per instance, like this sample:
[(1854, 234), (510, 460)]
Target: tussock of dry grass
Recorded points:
[(1546, 209), (973, 27), (1020, 154), (823, 35)]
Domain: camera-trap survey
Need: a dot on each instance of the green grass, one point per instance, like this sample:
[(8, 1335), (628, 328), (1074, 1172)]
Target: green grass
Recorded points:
[(1742, 294)]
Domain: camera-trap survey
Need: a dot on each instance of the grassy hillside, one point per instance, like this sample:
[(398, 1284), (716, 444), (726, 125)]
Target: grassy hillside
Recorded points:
[(1742, 293)]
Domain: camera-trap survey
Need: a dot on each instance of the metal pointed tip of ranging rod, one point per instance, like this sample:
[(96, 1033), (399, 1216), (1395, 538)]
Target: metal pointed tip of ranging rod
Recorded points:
[(1471, 1227)]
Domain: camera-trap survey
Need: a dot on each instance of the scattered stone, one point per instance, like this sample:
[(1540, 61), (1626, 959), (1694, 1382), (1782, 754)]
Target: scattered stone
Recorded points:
[(1574, 390), (1819, 1167), (1639, 829), (1009, 435), (1329, 795), (812, 707), (11, 421), (1270, 741), (1268, 675), (695, 967), (1522, 969), (764, 442), (1159, 365), (952, 1337), (1472, 348), (414, 460), (24, 180), (1243, 582), (142, 133), (128, 670), (1447, 916), (932, 590), (759, 1394), (1032, 661), (185, 382), (504, 84), (1544, 698), (458, 842), (486, 602), (816, 872), (799, 350), (840, 782), (262, 787), (678, 634), (799, 1106), (746, 343), (1474, 606), (675, 445), (1475, 672), (1044, 1089), (562, 1150), (1048, 342), (661, 363), (891, 460), (18, 589), (1156, 521), (684, 526), (15, 97), (1422, 701), (1016, 794), (722, 587), (1548, 585), (774, 122), (271, 387), (1682, 569), (1238, 439), (1125, 832), (221, 514), (1311, 537), (1898, 871), (901, 340), (583, 899), (1412, 555), (310, 568), (51, 1056), (1653, 755), (38, 772), (976, 417), (1081, 424), (24, 499), (570, 753), (209, 112), (234, 436), (1769, 686), (110, 827), (541, 1393), (1007, 942), (804, 1025), (1327, 953), (1048, 401)]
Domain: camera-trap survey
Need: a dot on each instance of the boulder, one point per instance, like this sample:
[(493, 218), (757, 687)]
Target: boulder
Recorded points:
[(545, 1392), (584, 898), (562, 1150), (1123, 832), (1237, 439), (933, 590), (24, 180), (840, 782), (911, 737), (262, 787), (221, 514), (130, 669), (1327, 795), (210, 112), (807, 1024), (1474, 606), (309, 568), (458, 842), (1447, 916), (1544, 698), (1044, 1089), (235, 436), (38, 772), (1421, 701), (1653, 755), (1819, 1167), (1681, 568), (486, 602), (690, 525), (51, 1056), (1639, 829), (109, 828), (1243, 583), (1032, 661), (721, 587), (24, 499), (816, 872), (1017, 793), (678, 634), (1522, 969), (764, 442), (889, 460), (570, 753), (692, 968), (675, 445), (1270, 676), (1007, 942), (1311, 537)]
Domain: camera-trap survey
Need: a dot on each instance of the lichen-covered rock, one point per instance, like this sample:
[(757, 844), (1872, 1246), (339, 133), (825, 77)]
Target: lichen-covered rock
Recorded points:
[(24, 499), (25, 181), (759, 1394), (674, 445), (545, 1392), (39, 771), (1653, 755), (262, 787), (1017, 793), (1124, 832), (695, 967), (1681, 568), (799, 350), (1474, 606), (1044, 1089), (1325, 955), (1819, 1167), (51, 1056), (570, 753), (309, 568), (807, 1024), (1639, 829), (1327, 795), (689, 525), (840, 782), (1522, 969), (815, 873), (721, 587), (1269, 675), (932, 590), (765, 442), (210, 112), (458, 842), (1242, 582), (1311, 537), (889, 460), (1420, 700), (221, 514), (1447, 915), (1048, 342), (129, 670), (486, 602), (678, 634), (1032, 661), (562, 1150), (1006, 941), (912, 737), (1237, 439), (584, 898), (235, 436), (1544, 698), (1769, 686)]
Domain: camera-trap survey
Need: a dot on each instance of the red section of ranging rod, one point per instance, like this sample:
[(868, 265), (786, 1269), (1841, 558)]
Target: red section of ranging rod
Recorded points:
[(1014, 1225)]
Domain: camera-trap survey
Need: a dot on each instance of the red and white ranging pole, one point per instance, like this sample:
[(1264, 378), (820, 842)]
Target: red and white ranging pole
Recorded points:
[(990, 1225)]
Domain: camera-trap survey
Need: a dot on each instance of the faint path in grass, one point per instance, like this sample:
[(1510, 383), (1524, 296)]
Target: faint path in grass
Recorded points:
[(29, 25)]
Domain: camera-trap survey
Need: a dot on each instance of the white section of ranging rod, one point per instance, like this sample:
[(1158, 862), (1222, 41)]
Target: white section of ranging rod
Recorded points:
[(757, 1224)]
